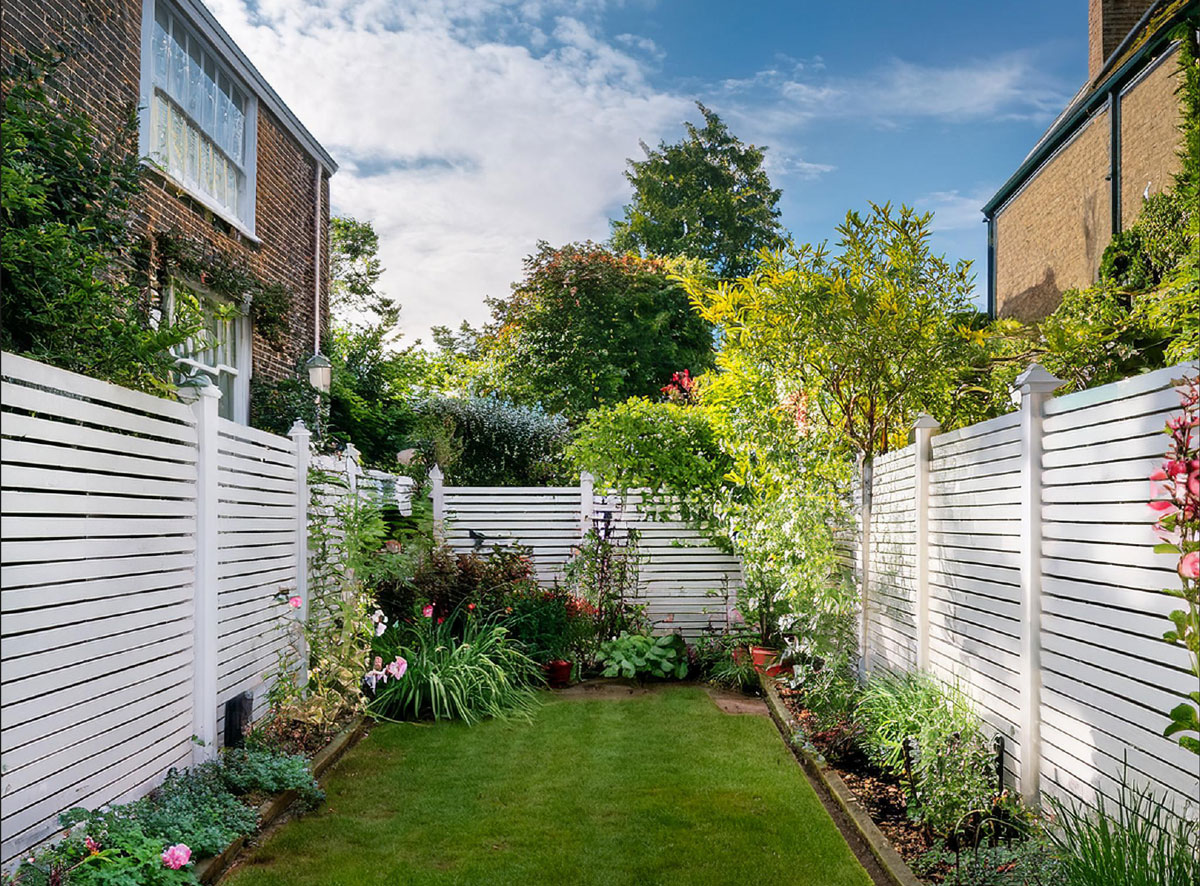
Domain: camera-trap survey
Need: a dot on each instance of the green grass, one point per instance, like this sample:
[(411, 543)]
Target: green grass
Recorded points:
[(652, 789)]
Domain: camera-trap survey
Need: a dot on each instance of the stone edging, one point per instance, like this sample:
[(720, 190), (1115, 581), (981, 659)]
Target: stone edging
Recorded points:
[(210, 870), (894, 867)]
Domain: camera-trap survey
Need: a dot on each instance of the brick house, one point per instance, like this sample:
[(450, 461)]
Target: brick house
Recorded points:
[(1115, 144), (229, 169)]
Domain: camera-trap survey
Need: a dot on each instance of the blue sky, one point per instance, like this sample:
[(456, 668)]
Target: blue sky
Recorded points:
[(467, 130)]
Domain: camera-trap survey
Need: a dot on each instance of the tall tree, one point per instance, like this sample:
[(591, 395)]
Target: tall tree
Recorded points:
[(707, 197), (587, 327), (354, 272)]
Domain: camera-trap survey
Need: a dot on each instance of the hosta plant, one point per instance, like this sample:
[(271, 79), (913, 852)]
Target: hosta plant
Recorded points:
[(640, 655)]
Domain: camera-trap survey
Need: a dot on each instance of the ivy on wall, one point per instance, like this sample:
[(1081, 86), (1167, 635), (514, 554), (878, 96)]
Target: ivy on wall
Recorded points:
[(226, 276)]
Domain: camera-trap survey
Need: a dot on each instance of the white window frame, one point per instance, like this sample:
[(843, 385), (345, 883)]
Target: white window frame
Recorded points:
[(244, 221), (239, 411)]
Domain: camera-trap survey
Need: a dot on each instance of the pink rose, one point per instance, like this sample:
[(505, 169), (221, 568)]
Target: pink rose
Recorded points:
[(294, 602), (428, 610), (1189, 565), (176, 856)]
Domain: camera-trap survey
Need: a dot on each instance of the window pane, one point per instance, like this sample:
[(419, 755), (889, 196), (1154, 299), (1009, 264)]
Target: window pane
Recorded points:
[(237, 127), (158, 146), (195, 80), (161, 45), (210, 95), (178, 144), (193, 159), (177, 79), (206, 166)]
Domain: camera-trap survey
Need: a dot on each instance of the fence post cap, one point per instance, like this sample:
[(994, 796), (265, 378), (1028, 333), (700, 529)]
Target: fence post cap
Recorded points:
[(196, 387), (586, 477), (924, 420), (299, 428), (1036, 379), (435, 473)]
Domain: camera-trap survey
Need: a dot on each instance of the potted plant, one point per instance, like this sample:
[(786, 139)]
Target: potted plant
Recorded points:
[(765, 605)]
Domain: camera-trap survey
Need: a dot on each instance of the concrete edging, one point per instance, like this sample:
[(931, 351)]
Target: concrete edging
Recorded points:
[(211, 870), (893, 866)]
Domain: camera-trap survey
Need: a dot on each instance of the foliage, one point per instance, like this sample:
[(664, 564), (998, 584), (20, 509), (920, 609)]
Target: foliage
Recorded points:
[(228, 276), (1175, 488), (66, 251), (248, 770), (587, 328), (487, 441), (830, 686), (331, 647), (1139, 257), (461, 666), (1027, 862), (276, 404), (707, 197), (192, 806), (120, 853), (871, 335), (1134, 838), (636, 656), (354, 272), (666, 449), (723, 661), (550, 624), (954, 773), (604, 572), (448, 581)]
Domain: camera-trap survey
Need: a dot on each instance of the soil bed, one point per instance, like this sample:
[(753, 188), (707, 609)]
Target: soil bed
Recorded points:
[(879, 792)]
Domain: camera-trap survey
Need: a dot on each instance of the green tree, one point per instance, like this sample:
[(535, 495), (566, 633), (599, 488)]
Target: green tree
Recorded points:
[(706, 197), (354, 272), (587, 327), (67, 253)]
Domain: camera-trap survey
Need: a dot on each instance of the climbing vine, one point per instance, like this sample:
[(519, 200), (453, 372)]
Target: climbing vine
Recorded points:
[(227, 276)]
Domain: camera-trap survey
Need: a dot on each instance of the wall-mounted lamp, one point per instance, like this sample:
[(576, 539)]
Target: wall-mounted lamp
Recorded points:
[(320, 372)]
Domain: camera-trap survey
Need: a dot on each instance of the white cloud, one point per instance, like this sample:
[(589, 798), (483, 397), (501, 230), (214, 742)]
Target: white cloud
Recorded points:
[(461, 149), (955, 211), (1004, 87)]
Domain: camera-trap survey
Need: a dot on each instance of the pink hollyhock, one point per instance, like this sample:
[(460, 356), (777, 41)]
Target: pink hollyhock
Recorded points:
[(176, 856), (1157, 478), (1189, 565), (428, 610), (1166, 507), (294, 602), (397, 668)]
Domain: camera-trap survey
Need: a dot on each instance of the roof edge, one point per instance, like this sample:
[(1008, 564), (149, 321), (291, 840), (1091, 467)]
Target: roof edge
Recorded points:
[(246, 69), (1083, 106)]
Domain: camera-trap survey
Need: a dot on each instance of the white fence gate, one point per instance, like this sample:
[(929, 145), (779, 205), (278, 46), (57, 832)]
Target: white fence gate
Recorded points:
[(1016, 557), (685, 582), (145, 543)]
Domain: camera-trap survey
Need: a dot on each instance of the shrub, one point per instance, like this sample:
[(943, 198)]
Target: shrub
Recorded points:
[(549, 623), (248, 770), (68, 255), (459, 667), (954, 772), (485, 441), (447, 580), (1135, 839), (635, 656), (716, 661), (604, 571)]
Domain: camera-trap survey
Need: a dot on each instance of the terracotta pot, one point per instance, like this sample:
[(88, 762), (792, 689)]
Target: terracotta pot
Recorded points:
[(766, 661), (558, 673)]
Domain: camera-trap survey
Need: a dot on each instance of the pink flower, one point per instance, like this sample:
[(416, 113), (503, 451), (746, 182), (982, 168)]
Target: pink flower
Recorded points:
[(91, 845), (294, 602), (470, 607), (441, 619), (428, 610), (176, 856), (1189, 565), (1166, 507), (397, 668)]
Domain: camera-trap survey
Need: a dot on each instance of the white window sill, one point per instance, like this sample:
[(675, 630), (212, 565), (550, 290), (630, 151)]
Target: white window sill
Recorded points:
[(204, 200)]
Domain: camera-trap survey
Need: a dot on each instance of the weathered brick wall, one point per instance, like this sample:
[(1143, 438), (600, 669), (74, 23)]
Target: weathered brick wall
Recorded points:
[(1150, 136), (1050, 236), (102, 80)]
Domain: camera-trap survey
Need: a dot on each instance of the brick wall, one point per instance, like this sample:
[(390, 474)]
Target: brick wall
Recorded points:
[(1050, 236), (1109, 22), (103, 80), (1150, 136)]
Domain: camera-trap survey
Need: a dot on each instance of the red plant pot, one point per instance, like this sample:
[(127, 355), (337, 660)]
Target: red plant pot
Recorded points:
[(558, 673), (766, 661)]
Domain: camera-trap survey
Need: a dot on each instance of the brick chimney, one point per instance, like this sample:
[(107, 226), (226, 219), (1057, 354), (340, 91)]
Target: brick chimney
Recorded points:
[(1109, 21)]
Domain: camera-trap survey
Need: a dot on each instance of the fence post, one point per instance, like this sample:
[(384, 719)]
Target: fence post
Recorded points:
[(205, 397), (1035, 386), (587, 502), (301, 436), (437, 492), (868, 490), (923, 431)]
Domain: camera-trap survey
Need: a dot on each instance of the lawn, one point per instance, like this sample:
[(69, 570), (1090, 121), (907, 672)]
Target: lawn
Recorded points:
[(656, 788)]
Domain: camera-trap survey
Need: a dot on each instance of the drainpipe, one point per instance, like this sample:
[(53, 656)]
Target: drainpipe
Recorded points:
[(317, 257), (991, 266), (1114, 158)]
